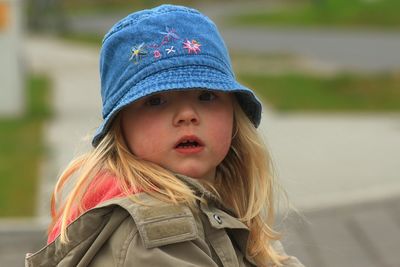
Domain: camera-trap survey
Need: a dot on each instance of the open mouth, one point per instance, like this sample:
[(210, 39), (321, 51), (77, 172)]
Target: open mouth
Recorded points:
[(189, 142)]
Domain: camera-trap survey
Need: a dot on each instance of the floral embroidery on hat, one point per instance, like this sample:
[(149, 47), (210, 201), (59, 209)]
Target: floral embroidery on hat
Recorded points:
[(192, 46), (169, 34), (138, 51), (157, 54), (170, 50), (169, 38)]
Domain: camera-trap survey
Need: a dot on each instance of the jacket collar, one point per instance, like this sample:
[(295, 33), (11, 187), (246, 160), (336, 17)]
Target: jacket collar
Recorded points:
[(201, 191), (219, 215), (198, 188)]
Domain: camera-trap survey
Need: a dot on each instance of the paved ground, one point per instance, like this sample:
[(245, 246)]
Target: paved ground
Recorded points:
[(17, 237), (359, 235), (340, 170)]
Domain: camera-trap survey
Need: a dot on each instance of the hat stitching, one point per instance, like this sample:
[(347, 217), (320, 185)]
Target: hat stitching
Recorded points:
[(170, 34), (137, 52), (170, 50), (192, 46), (204, 54)]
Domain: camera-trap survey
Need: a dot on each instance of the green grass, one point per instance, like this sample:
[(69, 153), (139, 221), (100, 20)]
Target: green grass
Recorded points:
[(343, 93), (336, 13), (21, 151)]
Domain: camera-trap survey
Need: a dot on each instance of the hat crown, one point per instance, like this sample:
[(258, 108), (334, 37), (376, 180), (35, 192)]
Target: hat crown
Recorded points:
[(149, 41)]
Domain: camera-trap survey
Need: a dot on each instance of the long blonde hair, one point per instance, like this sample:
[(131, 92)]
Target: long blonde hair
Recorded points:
[(244, 182)]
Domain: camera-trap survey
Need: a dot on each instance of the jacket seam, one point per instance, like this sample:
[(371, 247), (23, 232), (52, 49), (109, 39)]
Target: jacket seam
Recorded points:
[(124, 249)]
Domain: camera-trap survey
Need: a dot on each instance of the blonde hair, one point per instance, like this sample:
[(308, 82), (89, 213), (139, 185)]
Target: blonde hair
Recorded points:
[(244, 182)]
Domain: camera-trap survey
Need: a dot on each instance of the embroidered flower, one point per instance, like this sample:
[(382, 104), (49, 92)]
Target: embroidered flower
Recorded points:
[(192, 46), (138, 52), (169, 34), (157, 54), (170, 50)]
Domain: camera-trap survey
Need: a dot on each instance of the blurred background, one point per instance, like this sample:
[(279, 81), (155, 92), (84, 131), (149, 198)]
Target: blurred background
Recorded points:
[(328, 72)]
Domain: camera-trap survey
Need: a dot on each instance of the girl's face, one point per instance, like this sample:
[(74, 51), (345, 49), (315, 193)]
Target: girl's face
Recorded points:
[(187, 132)]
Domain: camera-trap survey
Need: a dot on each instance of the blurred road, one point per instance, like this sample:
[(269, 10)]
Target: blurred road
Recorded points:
[(349, 49), (340, 170)]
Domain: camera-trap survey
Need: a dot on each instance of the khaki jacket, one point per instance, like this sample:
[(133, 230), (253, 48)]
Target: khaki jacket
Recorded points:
[(122, 233)]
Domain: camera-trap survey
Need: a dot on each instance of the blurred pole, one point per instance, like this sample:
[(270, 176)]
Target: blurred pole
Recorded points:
[(11, 76)]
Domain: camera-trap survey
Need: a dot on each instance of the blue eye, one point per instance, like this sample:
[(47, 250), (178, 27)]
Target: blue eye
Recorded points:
[(207, 96), (155, 101)]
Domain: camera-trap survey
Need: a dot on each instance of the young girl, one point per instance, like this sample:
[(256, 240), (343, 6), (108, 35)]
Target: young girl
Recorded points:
[(178, 175)]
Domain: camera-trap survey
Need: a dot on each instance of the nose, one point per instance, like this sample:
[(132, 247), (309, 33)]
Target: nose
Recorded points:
[(186, 114)]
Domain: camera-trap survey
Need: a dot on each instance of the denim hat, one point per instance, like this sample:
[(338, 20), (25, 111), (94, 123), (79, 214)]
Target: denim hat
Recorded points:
[(161, 49)]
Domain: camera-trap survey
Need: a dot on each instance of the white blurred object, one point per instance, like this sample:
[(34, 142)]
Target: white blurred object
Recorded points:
[(11, 76), (332, 160)]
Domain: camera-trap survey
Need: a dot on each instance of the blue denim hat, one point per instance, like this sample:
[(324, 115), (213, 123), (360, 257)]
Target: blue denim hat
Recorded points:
[(161, 49)]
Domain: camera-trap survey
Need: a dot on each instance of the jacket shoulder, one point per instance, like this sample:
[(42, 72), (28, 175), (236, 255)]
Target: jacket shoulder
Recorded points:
[(159, 223)]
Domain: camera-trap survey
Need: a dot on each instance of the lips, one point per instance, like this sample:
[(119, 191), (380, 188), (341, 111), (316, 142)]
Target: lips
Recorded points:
[(189, 144)]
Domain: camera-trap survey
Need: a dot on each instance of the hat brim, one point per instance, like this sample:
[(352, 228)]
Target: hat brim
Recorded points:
[(184, 77)]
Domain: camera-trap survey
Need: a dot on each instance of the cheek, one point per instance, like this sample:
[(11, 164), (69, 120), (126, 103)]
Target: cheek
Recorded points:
[(221, 133), (143, 137), (222, 145)]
